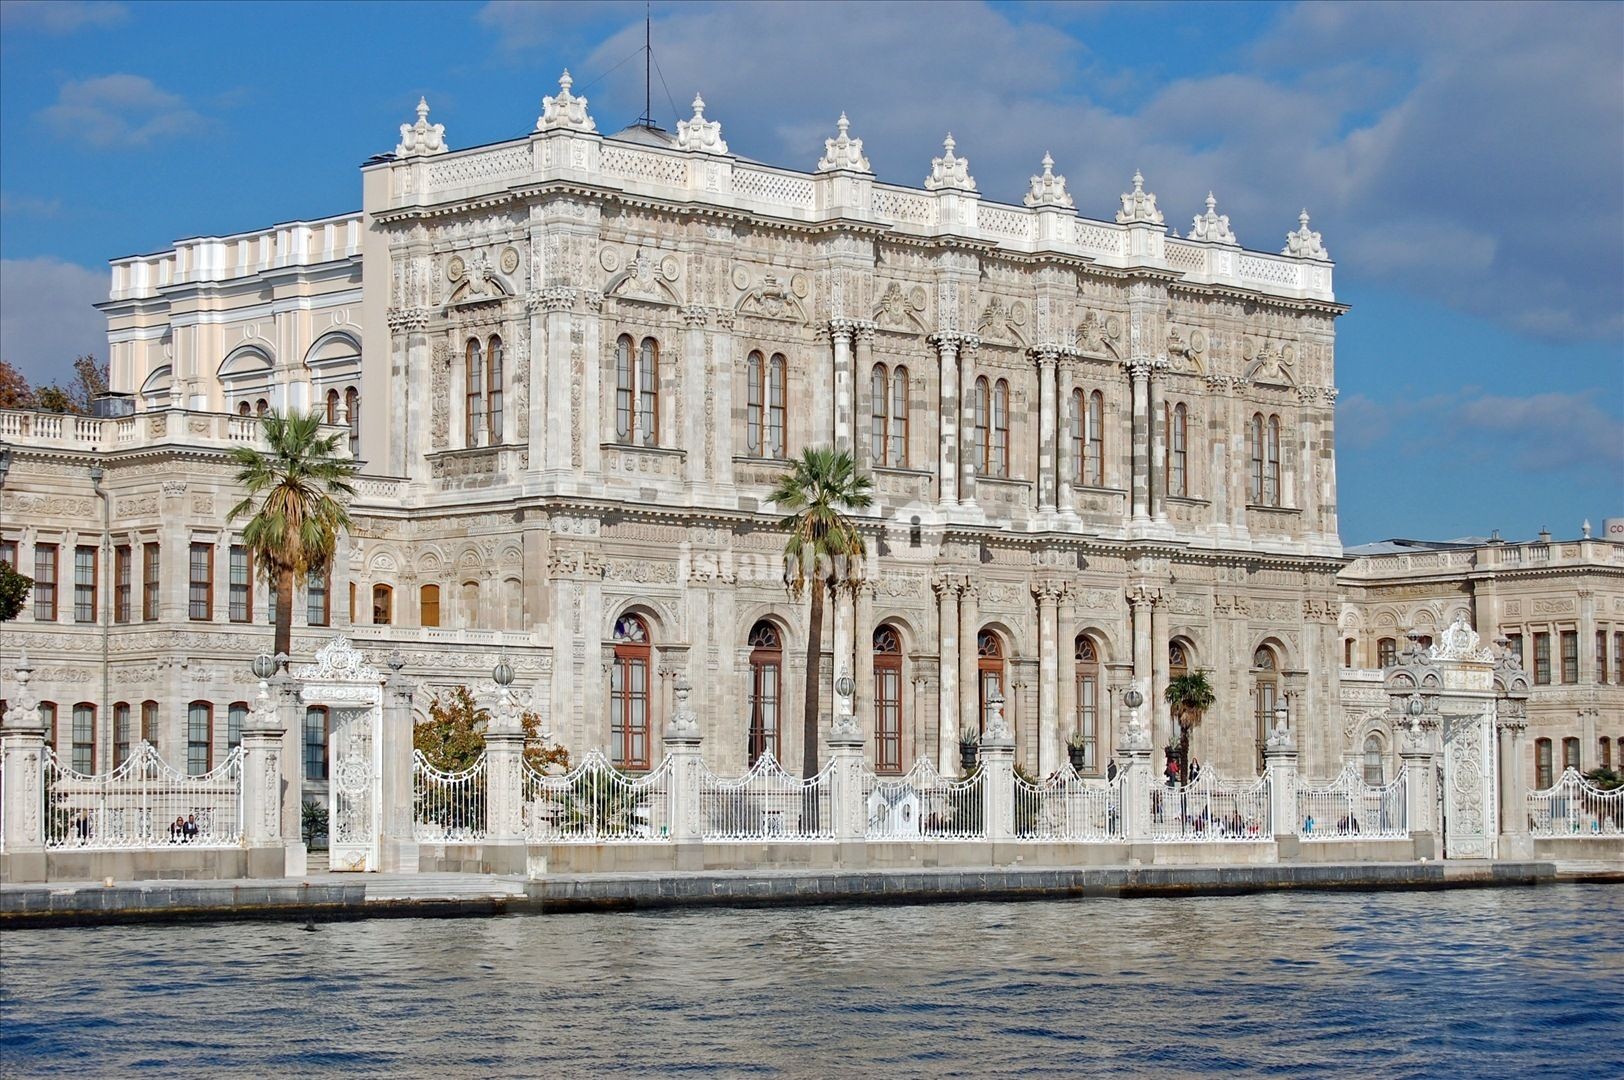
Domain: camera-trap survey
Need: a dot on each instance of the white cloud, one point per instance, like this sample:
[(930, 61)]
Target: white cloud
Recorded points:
[(59, 16), (28, 205), (119, 111), (46, 317)]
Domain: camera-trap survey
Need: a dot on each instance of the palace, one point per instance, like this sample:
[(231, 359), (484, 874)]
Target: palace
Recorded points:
[(571, 365)]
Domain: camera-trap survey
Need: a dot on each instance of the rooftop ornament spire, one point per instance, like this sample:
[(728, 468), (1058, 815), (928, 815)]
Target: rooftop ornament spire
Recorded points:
[(1139, 205), (566, 111), (1304, 243), (421, 138), (948, 171), (1049, 189), (1212, 227), (843, 151), (697, 133)]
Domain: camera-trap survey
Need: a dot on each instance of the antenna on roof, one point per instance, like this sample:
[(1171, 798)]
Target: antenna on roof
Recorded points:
[(647, 119)]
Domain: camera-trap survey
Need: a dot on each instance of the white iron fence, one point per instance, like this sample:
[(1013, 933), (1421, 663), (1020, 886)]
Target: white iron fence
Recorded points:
[(143, 803), (1349, 809), (924, 805), (766, 803), (1574, 806), (596, 803), (1211, 810), (447, 807), (1067, 807)]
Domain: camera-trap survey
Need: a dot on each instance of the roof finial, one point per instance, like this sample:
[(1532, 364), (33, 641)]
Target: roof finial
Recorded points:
[(565, 110), (697, 133), (949, 171), (843, 151), (1212, 227), (421, 138), (1049, 189), (1304, 243), (1139, 205)]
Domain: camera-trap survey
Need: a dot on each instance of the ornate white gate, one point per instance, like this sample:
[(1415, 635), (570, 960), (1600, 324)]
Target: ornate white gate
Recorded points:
[(1468, 795), (351, 690)]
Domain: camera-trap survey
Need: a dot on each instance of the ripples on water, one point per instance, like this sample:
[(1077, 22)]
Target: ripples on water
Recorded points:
[(1504, 982)]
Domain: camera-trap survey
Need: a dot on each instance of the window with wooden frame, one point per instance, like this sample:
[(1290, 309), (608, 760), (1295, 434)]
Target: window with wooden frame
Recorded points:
[(45, 557), (648, 392), (629, 719), (236, 716), (1543, 780), (473, 412), (1601, 656), (8, 553), (1094, 467), (121, 583), (318, 598), (898, 420), (764, 406), (1542, 659), (1570, 755), (352, 406), (1178, 477), (888, 719), (1374, 761), (123, 725), (1271, 465), (200, 582), (199, 738), (47, 715), (1514, 645), (315, 743), (1254, 455), (766, 691), (980, 412), (494, 379), (428, 605), (84, 737), (989, 676), (1086, 672), (1570, 656), (1386, 652), (1265, 690), (998, 463), (637, 391), (240, 599), (149, 723), (149, 582), (383, 605), (1076, 440), (332, 406), (86, 566)]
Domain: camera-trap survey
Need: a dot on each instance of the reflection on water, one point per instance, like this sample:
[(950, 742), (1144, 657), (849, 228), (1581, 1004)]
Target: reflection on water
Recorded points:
[(1505, 982)]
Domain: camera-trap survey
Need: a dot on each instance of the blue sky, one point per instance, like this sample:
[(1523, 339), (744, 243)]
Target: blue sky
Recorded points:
[(1465, 164)]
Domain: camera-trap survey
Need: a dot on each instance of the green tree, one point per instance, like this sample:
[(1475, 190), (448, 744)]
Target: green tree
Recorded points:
[(1188, 696), (294, 505), (14, 588), (824, 552), (453, 735), (89, 382)]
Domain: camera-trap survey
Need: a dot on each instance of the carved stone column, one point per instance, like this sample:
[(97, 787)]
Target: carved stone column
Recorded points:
[(694, 318), (1065, 474), (1161, 719), (862, 366), (862, 658), (1156, 433), (969, 468), (1140, 602), (262, 735), (22, 758), (1047, 442), (557, 413), (948, 416), (1327, 461), (844, 617), (1139, 374), (969, 666), (841, 332), (947, 677), (1513, 726), (1066, 661), (1047, 593)]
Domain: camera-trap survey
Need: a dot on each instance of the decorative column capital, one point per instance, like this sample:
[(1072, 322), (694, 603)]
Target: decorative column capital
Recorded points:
[(1137, 369), (1048, 590), (946, 341), (724, 319), (865, 331), (945, 585), (842, 329), (406, 320), (1044, 355), (695, 316)]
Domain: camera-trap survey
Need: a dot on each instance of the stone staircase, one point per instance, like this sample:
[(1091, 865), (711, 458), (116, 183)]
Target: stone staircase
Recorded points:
[(316, 862)]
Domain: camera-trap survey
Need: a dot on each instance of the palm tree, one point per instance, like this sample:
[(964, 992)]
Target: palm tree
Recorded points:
[(1188, 697), (294, 497), (824, 550)]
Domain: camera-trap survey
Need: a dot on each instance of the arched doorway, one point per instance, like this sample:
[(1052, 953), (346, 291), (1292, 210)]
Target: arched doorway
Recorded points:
[(629, 694), (1265, 693), (766, 687), (1087, 721), (989, 674), (887, 700)]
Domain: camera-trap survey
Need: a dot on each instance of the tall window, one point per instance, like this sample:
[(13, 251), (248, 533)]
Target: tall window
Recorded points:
[(122, 725), (629, 694), (149, 582), (47, 714), (1570, 755), (1266, 690), (1601, 656), (1542, 659), (200, 582), (637, 391), (199, 738), (1605, 745), (888, 416), (84, 737), (315, 743), (879, 401), (45, 583), (1373, 761), (1570, 656), (1514, 645), (85, 560), (1076, 429), (352, 405), (473, 373), (1271, 465), (1087, 675), (898, 458), (318, 603), (1542, 765), (383, 605), (332, 406), (470, 603), (1254, 454), (428, 605), (764, 415), (989, 675), (648, 391), (1177, 457), (8, 553), (149, 723), (1094, 468), (887, 700), (980, 411), (766, 690), (240, 605), (1618, 655), (493, 389), (236, 716), (1348, 646), (625, 389), (998, 464), (1386, 652)]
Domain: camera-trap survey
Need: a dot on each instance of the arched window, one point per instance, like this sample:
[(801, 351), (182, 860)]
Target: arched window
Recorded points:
[(474, 407), (1094, 472), (1542, 765), (493, 392), (352, 405), (1254, 454), (245, 408), (428, 605), (980, 410), (1271, 473), (84, 737), (383, 605), (261, 407), (989, 674), (648, 391), (1178, 477), (879, 388), (766, 686), (236, 716), (122, 732), (199, 738), (1605, 745), (629, 694), (776, 371), (1076, 431), (1386, 652), (315, 743), (1374, 770), (755, 404), (887, 700), (1178, 659), (1087, 675), (149, 723), (469, 615), (1266, 690), (1348, 647), (899, 418), (513, 597), (999, 465), (332, 406), (47, 715), (625, 382), (1570, 755)]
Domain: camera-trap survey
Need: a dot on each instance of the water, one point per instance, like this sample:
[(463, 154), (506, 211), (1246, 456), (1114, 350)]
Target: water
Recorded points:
[(1503, 982)]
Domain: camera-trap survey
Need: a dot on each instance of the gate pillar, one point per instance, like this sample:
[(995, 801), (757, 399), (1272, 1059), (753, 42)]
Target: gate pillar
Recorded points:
[(361, 748)]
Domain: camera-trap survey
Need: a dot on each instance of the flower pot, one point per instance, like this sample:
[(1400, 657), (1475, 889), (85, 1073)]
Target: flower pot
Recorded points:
[(967, 756), (1079, 757)]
